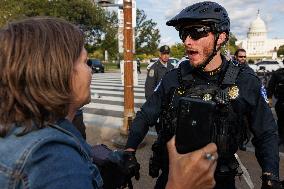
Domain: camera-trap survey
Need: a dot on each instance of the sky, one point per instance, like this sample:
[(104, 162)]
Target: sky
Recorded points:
[(241, 13)]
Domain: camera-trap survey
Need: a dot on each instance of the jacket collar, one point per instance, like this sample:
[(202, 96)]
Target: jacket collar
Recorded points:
[(67, 125)]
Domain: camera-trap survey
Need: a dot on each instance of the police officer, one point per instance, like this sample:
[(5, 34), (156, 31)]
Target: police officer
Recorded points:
[(138, 65), (204, 27), (276, 88), (240, 56), (157, 71)]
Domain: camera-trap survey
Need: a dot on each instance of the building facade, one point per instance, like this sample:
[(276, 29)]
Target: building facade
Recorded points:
[(257, 45)]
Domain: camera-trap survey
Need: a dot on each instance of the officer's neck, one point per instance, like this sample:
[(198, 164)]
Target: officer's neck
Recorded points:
[(215, 63), (163, 63)]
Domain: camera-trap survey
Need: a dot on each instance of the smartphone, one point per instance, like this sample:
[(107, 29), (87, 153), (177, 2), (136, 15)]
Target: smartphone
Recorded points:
[(194, 124)]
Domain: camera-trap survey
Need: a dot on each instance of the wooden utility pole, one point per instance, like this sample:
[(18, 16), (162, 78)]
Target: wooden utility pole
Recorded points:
[(128, 67)]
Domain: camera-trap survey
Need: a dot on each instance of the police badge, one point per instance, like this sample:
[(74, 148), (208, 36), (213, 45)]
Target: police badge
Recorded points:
[(233, 92), (207, 97)]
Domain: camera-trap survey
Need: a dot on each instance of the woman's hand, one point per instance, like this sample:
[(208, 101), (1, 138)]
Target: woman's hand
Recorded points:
[(194, 170)]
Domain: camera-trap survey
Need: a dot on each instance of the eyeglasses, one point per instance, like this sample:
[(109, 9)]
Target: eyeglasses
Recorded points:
[(241, 56), (194, 32)]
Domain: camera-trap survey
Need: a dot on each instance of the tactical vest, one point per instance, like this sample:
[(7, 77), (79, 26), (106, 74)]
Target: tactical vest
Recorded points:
[(228, 125)]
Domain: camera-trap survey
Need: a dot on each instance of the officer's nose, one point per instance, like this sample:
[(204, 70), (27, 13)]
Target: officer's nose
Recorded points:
[(188, 40)]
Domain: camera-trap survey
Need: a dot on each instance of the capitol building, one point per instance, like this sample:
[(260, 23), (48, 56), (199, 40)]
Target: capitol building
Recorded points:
[(257, 45)]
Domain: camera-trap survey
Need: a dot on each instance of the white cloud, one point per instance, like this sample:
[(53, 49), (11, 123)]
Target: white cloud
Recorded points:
[(241, 13)]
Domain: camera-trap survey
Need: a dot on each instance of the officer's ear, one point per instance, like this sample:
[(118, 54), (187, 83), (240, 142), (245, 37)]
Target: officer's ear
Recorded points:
[(222, 39)]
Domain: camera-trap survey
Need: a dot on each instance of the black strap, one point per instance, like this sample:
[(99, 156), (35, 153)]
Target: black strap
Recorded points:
[(230, 77), (231, 74)]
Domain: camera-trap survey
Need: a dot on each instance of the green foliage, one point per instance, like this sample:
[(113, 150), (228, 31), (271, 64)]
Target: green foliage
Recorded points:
[(81, 12), (178, 50), (98, 54), (280, 51), (232, 43), (147, 36), (230, 46), (250, 61), (8, 10), (99, 26), (110, 42)]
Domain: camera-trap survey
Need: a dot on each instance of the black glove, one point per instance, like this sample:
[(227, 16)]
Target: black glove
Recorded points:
[(131, 165), (128, 166), (116, 167), (269, 181)]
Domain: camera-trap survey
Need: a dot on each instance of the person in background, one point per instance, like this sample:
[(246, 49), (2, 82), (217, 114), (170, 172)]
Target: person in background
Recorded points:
[(44, 80), (157, 71), (276, 88), (240, 56), (138, 65)]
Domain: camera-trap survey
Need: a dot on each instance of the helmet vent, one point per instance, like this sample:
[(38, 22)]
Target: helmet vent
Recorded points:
[(217, 10), (203, 10), (205, 4)]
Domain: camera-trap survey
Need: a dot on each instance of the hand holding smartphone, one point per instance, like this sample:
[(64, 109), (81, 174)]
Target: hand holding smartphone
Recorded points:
[(194, 124)]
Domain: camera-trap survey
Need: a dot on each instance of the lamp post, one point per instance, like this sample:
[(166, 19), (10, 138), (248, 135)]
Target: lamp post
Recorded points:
[(128, 68)]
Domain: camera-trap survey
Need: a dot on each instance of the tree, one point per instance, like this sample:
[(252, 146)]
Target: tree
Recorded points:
[(178, 50), (280, 51), (230, 46), (110, 42), (147, 36), (8, 10), (99, 26)]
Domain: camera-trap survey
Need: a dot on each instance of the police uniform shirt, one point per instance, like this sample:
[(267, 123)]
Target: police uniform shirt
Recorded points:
[(251, 101), (154, 75)]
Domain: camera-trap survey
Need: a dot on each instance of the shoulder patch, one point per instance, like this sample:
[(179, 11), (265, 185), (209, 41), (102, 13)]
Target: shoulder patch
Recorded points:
[(151, 73), (264, 94)]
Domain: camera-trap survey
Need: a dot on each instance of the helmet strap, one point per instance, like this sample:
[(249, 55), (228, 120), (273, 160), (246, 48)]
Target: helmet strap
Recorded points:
[(214, 52)]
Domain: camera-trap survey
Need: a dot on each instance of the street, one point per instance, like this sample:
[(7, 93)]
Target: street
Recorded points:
[(104, 115)]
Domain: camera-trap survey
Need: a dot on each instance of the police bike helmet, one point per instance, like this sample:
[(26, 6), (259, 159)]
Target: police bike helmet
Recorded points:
[(208, 13)]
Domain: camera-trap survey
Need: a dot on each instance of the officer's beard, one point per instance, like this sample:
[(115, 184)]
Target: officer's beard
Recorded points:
[(211, 54), (207, 54)]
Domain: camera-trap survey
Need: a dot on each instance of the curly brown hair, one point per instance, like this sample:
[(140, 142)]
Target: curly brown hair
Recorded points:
[(36, 63)]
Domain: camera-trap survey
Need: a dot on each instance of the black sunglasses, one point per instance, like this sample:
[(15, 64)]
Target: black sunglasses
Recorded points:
[(194, 32), (241, 56)]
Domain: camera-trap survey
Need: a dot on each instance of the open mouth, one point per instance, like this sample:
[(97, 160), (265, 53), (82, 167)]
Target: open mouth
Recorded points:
[(192, 52)]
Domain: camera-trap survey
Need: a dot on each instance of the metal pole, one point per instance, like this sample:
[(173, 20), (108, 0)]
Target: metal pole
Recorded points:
[(128, 67)]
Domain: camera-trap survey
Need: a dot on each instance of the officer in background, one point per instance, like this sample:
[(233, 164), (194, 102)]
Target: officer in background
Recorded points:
[(157, 71), (138, 65), (240, 56), (204, 27), (276, 88)]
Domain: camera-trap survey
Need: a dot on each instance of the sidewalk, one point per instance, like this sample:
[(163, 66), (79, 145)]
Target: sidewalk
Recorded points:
[(98, 135)]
